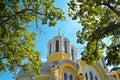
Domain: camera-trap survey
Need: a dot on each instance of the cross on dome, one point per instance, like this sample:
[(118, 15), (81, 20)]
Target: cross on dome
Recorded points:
[(58, 31)]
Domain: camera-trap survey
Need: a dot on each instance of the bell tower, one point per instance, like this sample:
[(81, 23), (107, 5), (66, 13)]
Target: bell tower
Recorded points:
[(60, 48)]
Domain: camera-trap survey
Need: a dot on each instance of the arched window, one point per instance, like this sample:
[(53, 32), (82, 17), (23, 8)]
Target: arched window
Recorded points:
[(65, 76), (91, 76), (50, 49), (95, 77), (57, 45), (71, 77), (86, 76), (65, 46), (72, 53)]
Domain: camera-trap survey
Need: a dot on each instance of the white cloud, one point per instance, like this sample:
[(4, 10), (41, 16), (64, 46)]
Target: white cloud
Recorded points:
[(43, 59)]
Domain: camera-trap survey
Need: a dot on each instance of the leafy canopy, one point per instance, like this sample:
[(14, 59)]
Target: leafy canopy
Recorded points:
[(16, 42), (101, 21)]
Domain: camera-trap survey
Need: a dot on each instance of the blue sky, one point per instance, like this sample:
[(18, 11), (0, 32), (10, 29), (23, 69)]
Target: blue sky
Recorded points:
[(68, 28)]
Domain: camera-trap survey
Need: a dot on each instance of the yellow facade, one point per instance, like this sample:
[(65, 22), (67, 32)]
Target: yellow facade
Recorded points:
[(58, 57), (59, 74), (54, 72)]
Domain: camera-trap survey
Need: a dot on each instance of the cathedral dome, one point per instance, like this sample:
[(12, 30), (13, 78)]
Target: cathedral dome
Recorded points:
[(60, 48)]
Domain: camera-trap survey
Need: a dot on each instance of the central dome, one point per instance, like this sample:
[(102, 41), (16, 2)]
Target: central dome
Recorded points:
[(62, 48)]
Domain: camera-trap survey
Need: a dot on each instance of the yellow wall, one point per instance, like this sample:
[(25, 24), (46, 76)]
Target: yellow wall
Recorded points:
[(83, 63), (58, 57), (26, 78), (54, 72), (67, 67), (42, 78), (116, 74), (81, 77)]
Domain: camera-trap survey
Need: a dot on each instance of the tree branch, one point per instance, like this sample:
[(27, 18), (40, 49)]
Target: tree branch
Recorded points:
[(21, 12), (7, 46)]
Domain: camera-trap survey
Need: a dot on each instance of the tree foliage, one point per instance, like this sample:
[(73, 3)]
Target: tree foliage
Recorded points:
[(100, 20), (17, 44)]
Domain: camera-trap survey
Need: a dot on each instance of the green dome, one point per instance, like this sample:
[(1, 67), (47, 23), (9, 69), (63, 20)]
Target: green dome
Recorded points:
[(115, 69)]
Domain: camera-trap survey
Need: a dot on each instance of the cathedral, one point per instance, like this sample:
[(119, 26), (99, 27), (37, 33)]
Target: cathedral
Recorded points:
[(62, 64)]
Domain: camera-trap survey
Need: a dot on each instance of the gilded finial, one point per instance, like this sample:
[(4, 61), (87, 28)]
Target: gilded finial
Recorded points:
[(59, 32)]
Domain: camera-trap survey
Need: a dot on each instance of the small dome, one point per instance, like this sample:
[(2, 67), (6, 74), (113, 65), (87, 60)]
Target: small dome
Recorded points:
[(46, 67), (60, 45), (22, 74), (115, 69)]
